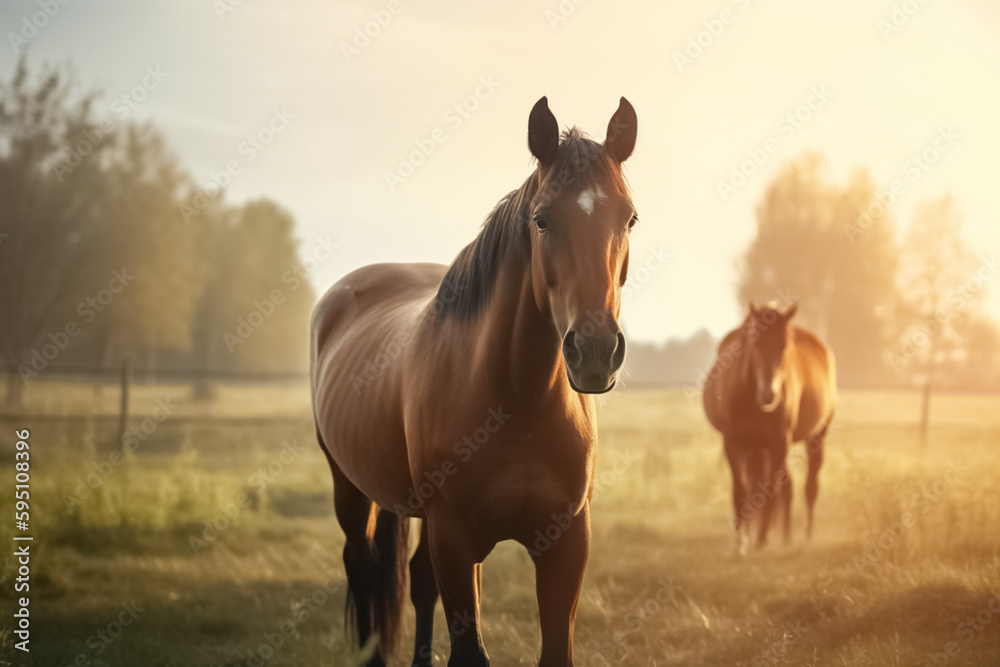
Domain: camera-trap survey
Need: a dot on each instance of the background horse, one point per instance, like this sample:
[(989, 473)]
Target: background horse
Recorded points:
[(459, 395), (772, 384)]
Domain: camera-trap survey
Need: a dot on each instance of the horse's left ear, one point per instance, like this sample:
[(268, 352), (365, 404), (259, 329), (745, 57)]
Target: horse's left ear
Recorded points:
[(790, 313), (621, 132)]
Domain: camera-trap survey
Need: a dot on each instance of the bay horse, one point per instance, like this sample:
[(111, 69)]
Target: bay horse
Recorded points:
[(461, 395), (772, 384)]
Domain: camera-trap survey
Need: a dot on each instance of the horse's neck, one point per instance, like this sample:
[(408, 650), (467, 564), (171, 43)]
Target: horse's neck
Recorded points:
[(518, 343), (744, 361)]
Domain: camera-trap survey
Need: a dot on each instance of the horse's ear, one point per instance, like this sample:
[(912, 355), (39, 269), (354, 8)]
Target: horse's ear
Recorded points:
[(621, 132), (790, 313), (543, 133), (754, 312)]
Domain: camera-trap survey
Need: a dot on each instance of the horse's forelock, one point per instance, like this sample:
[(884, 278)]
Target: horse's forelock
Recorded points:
[(580, 163)]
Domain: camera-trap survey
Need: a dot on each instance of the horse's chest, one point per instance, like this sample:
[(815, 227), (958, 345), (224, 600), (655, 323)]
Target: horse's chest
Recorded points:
[(519, 480)]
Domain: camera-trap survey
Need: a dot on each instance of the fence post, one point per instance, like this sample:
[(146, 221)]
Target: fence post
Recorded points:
[(925, 412), (126, 382)]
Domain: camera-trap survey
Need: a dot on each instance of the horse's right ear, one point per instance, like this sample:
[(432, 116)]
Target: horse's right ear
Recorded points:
[(620, 140), (543, 133), (754, 312)]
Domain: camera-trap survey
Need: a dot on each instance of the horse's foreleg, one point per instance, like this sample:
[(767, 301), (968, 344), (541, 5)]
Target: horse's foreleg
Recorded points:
[(736, 464), (424, 595), (786, 496), (773, 484), (458, 580), (558, 578), (756, 467)]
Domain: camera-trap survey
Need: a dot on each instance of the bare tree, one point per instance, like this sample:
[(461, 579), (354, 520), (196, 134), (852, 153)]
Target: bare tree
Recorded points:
[(939, 288)]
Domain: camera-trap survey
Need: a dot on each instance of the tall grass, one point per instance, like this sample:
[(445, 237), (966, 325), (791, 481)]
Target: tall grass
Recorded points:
[(873, 588)]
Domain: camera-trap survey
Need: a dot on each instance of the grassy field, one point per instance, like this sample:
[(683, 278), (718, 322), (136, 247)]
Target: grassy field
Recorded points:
[(905, 551)]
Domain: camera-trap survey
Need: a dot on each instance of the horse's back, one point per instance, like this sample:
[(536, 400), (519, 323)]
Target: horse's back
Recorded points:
[(818, 376), (361, 329)]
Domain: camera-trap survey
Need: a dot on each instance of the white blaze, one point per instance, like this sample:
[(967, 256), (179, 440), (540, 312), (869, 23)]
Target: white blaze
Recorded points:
[(587, 197)]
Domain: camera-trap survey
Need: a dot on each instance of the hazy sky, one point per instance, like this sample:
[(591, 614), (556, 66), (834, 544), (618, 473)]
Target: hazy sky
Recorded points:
[(883, 98)]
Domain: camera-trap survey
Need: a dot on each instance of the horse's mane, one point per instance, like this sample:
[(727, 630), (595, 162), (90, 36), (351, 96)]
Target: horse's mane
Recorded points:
[(472, 277)]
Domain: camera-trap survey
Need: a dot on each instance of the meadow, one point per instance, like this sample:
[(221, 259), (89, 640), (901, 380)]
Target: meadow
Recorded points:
[(215, 539)]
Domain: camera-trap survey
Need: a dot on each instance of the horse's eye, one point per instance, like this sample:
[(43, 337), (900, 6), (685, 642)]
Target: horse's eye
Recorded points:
[(540, 222), (634, 219)]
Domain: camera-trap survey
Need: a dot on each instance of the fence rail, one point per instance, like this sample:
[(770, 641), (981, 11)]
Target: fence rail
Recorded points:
[(150, 374), (143, 375), (124, 375)]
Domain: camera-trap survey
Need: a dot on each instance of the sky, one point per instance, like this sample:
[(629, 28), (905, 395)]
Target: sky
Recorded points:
[(347, 117)]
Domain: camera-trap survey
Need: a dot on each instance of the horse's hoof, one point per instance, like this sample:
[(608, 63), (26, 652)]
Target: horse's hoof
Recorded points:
[(741, 547)]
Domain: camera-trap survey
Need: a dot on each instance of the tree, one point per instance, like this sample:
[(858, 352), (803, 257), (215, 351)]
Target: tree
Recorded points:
[(83, 207), (938, 302), (255, 309), (157, 310), (844, 282)]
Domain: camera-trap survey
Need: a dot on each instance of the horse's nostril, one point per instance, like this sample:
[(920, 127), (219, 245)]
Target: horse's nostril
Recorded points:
[(618, 356), (570, 350)]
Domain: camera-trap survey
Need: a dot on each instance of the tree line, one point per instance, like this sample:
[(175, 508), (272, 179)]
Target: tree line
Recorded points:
[(98, 264), (109, 252), (897, 308)]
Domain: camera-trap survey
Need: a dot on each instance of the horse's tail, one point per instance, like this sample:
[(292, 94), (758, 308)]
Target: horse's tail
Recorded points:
[(391, 543)]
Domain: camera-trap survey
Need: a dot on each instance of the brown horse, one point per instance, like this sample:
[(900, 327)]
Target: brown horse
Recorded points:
[(459, 395), (772, 384)]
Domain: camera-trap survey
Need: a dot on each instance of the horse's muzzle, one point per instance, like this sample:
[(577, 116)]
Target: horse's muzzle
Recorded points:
[(593, 357), (768, 399)]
